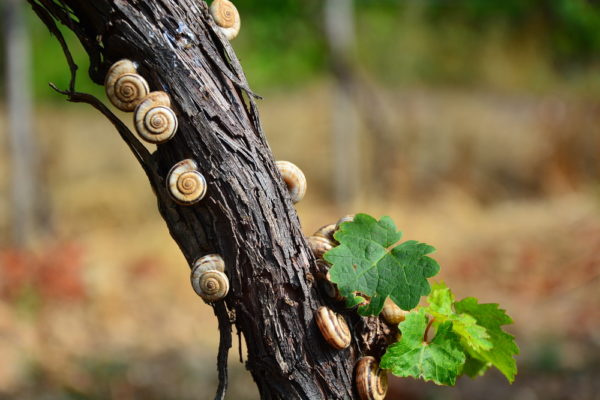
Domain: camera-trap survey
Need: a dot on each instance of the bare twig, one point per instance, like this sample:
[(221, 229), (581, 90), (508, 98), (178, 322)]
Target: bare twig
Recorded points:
[(224, 346)]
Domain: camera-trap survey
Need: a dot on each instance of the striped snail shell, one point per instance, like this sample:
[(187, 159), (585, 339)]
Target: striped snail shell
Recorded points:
[(334, 328), (346, 218), (208, 278), (320, 245), (371, 381), (185, 183), (327, 232), (124, 87), (392, 314), (154, 120), (226, 17), (209, 262), (294, 179)]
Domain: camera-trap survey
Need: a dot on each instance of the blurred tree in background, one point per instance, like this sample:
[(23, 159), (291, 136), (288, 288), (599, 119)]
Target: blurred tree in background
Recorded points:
[(400, 41)]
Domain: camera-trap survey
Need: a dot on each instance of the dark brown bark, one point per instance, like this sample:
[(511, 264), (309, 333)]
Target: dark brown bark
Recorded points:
[(247, 216)]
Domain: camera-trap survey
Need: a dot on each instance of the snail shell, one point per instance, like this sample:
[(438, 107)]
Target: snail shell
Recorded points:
[(346, 218), (334, 328), (294, 179), (124, 87), (319, 245), (211, 285), (209, 262), (154, 120), (330, 289), (371, 381), (227, 17), (327, 232), (393, 314), (185, 183)]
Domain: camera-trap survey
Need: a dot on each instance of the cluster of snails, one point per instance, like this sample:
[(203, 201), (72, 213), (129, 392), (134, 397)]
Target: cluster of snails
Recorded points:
[(371, 381), (154, 120)]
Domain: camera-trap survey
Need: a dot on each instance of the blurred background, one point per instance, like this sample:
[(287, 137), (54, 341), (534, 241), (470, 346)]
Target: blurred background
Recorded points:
[(474, 124)]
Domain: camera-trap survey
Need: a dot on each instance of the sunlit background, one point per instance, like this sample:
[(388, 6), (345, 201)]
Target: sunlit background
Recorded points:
[(474, 124)]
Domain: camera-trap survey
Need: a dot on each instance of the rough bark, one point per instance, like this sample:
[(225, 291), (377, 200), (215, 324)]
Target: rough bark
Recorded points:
[(247, 216)]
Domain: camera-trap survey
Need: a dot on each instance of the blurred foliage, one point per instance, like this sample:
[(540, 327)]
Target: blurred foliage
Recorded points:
[(411, 42)]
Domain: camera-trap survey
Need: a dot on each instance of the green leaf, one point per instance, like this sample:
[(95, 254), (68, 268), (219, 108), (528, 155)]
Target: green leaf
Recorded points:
[(474, 367), (492, 318), (440, 360), (441, 301), (363, 263)]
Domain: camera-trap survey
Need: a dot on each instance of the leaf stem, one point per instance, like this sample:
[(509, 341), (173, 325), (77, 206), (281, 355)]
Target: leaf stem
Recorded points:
[(426, 334)]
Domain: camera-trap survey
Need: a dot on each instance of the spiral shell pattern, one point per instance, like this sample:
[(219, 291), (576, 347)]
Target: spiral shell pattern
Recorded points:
[(211, 285), (334, 328), (124, 87), (392, 314), (185, 183), (227, 17), (154, 120), (319, 245), (294, 179), (371, 381)]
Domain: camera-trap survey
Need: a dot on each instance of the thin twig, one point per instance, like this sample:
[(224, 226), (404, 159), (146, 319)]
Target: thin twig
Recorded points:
[(224, 346), (139, 151), (48, 20)]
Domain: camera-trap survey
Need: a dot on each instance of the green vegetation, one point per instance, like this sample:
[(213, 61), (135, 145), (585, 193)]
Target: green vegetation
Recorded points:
[(399, 41), (468, 336)]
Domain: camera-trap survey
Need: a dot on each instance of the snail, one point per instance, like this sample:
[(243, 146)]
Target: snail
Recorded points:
[(320, 245), (392, 314), (294, 179), (154, 120), (371, 381), (327, 232), (124, 87), (185, 183), (334, 328), (346, 218), (208, 278), (226, 17), (329, 288)]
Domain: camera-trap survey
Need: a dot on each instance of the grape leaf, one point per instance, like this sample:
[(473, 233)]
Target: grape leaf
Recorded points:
[(441, 301), (491, 317), (363, 264), (440, 360)]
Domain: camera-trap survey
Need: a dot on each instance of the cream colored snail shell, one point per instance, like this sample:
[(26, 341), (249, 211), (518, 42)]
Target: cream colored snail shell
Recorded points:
[(319, 245), (346, 218), (294, 179), (154, 120), (209, 262), (227, 17), (371, 381), (326, 232), (393, 314), (211, 285), (185, 183), (334, 328), (124, 87)]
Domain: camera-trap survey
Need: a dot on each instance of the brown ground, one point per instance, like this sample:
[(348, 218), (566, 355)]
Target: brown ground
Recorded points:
[(505, 187)]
